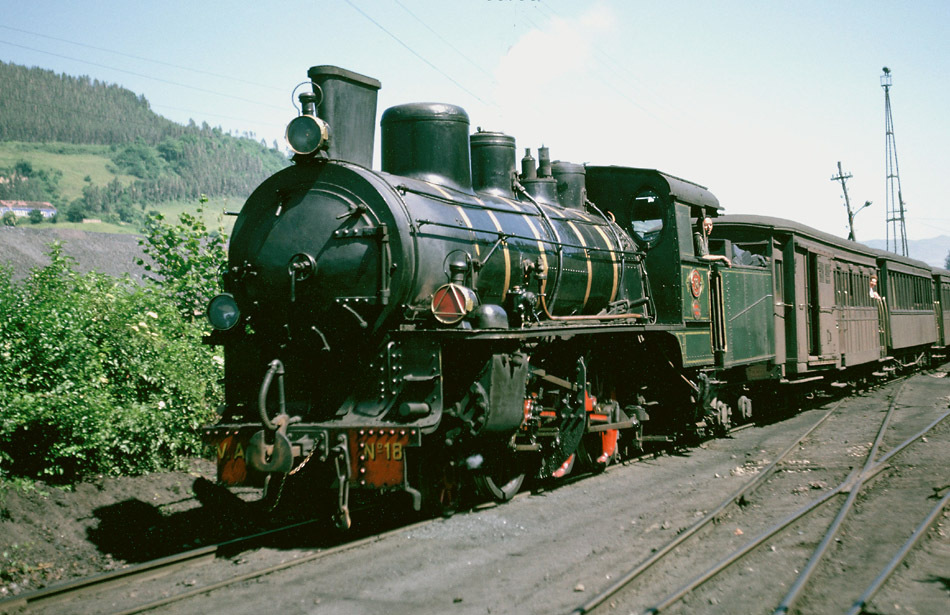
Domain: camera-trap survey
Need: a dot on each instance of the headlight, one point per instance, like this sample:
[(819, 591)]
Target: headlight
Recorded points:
[(223, 312), (452, 302), (307, 134)]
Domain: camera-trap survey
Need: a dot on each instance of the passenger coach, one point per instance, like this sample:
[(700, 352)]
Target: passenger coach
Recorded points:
[(825, 316), (839, 303), (907, 288)]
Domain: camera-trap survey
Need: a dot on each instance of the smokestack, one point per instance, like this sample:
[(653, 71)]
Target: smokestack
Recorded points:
[(347, 102)]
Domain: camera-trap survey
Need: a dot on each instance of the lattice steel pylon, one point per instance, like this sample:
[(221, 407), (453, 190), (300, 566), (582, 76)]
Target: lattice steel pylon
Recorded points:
[(896, 229)]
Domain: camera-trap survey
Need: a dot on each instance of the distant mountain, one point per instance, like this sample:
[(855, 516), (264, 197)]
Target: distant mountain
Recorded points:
[(932, 251)]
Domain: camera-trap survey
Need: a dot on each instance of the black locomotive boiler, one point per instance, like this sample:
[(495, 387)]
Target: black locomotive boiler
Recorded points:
[(448, 324)]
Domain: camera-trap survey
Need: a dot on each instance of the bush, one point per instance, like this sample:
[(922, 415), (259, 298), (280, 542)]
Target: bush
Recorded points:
[(188, 260), (97, 376)]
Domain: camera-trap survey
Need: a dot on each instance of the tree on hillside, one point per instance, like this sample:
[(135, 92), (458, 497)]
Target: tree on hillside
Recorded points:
[(76, 212), (946, 262), (24, 182)]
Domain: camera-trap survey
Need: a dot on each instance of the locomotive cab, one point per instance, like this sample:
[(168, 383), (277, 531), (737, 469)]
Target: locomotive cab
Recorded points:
[(657, 209)]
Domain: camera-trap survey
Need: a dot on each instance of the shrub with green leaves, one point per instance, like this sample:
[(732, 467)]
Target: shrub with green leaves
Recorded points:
[(98, 375), (187, 258)]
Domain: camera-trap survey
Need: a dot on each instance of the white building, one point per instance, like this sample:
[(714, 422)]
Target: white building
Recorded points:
[(22, 209)]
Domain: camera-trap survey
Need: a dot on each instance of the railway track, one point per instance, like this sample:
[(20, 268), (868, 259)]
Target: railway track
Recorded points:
[(81, 588), (145, 587), (616, 597)]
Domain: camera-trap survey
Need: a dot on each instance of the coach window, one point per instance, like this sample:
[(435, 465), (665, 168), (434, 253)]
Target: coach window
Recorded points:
[(904, 298)]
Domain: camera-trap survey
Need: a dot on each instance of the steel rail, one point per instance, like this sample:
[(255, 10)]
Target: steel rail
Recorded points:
[(750, 546), (163, 566), (646, 564), (254, 574), (144, 570), (858, 607), (818, 554), (851, 484)]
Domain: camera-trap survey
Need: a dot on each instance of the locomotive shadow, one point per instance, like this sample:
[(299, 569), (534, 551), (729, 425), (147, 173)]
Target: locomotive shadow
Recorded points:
[(138, 531)]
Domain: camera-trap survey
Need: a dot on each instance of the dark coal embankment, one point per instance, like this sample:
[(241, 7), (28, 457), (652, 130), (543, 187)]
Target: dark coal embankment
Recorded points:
[(24, 249)]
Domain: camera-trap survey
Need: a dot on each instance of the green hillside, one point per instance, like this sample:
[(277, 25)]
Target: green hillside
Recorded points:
[(104, 155), (76, 162)]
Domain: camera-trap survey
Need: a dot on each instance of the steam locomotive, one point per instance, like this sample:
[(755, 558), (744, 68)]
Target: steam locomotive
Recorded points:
[(448, 325)]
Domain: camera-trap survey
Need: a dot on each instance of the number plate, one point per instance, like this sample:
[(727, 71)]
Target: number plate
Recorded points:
[(378, 457), (230, 448)]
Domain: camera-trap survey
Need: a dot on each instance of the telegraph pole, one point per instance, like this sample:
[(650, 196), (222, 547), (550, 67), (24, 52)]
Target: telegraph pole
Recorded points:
[(896, 229), (847, 202)]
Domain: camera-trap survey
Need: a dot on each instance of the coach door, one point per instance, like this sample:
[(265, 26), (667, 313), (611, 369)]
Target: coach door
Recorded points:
[(778, 292), (801, 312), (823, 334)]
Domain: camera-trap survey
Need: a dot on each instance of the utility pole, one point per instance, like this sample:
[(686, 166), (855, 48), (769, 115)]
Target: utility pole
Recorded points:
[(896, 229), (847, 202)]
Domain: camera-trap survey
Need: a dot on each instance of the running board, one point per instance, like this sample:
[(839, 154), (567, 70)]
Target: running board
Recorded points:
[(802, 381)]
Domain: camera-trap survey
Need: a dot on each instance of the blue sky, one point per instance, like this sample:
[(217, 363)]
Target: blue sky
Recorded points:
[(756, 100)]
